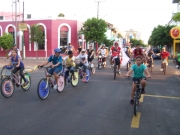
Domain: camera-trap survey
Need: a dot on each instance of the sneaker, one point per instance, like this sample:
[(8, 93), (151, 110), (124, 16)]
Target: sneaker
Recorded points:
[(55, 87), (119, 72), (161, 69), (177, 66), (131, 102), (143, 91)]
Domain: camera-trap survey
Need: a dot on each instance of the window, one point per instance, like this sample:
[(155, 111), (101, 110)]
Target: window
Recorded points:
[(63, 38), (1, 17), (13, 34), (42, 46)]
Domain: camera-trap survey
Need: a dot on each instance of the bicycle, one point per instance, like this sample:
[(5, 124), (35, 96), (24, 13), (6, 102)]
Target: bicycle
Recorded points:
[(8, 83), (100, 62), (128, 65), (115, 66), (46, 83), (92, 68), (81, 73), (68, 77), (164, 66), (150, 64)]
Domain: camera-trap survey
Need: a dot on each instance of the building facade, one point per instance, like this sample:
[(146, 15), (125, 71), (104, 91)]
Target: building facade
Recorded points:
[(58, 33)]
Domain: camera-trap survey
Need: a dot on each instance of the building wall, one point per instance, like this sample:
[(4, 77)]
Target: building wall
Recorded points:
[(52, 28)]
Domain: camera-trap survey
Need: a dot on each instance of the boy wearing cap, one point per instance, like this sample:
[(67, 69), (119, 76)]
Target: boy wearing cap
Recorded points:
[(164, 56), (56, 66)]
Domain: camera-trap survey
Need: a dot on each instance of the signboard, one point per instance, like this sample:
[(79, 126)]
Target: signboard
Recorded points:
[(22, 26), (175, 32)]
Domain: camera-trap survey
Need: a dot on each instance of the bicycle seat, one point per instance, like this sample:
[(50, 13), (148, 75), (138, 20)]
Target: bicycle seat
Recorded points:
[(137, 82)]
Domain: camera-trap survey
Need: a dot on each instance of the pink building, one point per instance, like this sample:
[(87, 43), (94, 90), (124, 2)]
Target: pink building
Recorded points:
[(58, 33)]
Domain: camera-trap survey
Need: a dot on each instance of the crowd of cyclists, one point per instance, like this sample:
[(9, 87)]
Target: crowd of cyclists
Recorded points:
[(139, 68)]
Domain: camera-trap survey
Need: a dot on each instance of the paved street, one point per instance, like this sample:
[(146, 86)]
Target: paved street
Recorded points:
[(99, 107)]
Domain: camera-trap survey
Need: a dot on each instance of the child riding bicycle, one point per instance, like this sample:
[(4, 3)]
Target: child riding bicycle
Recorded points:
[(83, 57), (19, 65), (56, 66), (70, 64), (138, 71)]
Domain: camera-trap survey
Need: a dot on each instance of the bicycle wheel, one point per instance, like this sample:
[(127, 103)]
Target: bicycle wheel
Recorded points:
[(164, 68), (135, 103), (43, 89), (127, 66), (7, 88), (114, 71), (3, 73), (87, 75), (75, 82), (99, 66), (61, 83), (28, 78)]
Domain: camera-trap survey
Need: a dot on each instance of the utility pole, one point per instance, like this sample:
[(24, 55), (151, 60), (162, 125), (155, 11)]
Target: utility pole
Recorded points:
[(23, 51), (16, 22), (98, 11)]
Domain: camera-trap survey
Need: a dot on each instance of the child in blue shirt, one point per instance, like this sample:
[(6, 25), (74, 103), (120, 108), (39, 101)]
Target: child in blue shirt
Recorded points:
[(56, 66), (138, 71)]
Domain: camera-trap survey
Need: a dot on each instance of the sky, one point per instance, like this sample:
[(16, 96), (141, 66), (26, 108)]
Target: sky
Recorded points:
[(139, 15)]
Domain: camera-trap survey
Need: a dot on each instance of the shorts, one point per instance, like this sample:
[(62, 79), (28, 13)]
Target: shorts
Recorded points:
[(117, 60), (90, 59), (84, 67), (139, 79), (71, 69), (56, 70)]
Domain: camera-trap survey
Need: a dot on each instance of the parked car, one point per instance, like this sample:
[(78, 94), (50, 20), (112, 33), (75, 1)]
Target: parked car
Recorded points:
[(156, 51)]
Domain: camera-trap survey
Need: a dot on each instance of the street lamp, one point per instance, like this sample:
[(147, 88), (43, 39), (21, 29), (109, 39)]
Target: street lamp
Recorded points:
[(98, 1)]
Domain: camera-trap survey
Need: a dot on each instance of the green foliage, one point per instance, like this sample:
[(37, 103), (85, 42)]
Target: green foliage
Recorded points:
[(176, 17), (160, 36), (94, 30), (37, 34), (61, 15), (6, 41), (107, 42), (134, 42)]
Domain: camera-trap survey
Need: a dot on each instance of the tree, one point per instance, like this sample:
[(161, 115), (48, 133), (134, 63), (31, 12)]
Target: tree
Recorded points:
[(94, 30), (160, 36), (6, 41), (61, 15), (134, 42), (107, 42), (37, 35), (176, 17)]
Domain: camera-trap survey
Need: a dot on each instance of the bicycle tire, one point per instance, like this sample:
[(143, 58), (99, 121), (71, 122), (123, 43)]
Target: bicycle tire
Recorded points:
[(74, 83), (135, 103), (43, 93), (61, 83), (164, 68), (28, 78), (115, 67), (99, 65), (93, 69), (87, 75), (127, 67), (5, 90)]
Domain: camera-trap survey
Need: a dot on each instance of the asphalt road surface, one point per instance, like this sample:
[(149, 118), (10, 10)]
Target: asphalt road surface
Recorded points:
[(99, 107)]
